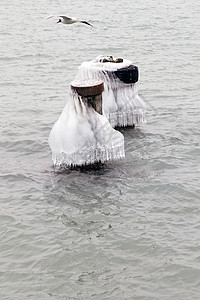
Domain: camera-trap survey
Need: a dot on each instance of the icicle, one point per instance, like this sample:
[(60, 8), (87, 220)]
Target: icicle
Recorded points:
[(121, 102), (82, 136)]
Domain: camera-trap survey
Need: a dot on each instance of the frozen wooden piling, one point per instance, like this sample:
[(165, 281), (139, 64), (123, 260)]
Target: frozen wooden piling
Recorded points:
[(122, 105), (90, 91)]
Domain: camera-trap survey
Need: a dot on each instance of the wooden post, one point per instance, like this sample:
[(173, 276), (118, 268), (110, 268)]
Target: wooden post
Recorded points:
[(91, 92)]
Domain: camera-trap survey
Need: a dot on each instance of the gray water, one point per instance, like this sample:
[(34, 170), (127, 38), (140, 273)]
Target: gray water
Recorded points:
[(130, 229)]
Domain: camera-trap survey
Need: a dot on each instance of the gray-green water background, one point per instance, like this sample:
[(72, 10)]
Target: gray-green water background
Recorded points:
[(129, 230)]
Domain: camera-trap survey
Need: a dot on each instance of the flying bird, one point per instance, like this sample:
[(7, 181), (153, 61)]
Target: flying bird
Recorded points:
[(67, 20)]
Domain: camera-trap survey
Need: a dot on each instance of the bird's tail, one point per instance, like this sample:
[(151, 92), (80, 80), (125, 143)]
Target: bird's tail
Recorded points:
[(86, 23)]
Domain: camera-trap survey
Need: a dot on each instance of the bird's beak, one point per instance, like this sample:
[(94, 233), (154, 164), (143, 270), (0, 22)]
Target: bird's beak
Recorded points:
[(58, 21)]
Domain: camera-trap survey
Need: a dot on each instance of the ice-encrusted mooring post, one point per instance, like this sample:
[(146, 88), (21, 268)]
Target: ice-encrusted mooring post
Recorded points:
[(121, 103), (83, 135), (91, 92)]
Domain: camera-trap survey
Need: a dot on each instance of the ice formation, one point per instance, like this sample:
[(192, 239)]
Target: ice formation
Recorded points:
[(82, 136), (121, 103)]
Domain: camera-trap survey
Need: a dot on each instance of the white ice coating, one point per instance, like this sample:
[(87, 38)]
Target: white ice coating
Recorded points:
[(121, 102), (82, 136)]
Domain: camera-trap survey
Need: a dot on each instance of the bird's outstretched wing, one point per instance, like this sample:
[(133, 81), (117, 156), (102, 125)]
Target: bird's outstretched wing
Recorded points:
[(66, 18), (86, 23), (63, 17), (49, 17)]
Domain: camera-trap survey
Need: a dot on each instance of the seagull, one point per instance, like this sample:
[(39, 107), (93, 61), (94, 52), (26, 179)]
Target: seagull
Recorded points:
[(67, 20)]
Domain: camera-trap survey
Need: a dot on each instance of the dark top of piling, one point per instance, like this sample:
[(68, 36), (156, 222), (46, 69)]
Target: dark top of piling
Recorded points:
[(89, 87)]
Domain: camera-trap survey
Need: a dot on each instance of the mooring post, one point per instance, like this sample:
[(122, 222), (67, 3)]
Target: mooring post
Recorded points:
[(90, 91)]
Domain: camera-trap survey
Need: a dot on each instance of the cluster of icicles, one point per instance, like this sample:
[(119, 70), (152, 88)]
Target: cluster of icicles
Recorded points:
[(81, 136)]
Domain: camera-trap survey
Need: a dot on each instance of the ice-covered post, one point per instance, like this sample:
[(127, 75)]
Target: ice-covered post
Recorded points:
[(83, 135), (121, 103), (91, 92)]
